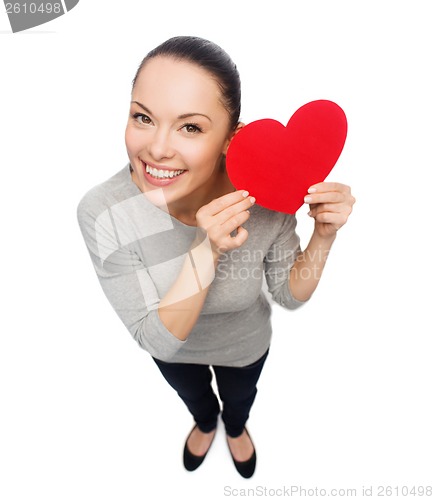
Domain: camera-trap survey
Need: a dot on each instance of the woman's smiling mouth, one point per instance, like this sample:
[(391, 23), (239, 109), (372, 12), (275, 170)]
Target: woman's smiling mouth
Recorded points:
[(160, 176)]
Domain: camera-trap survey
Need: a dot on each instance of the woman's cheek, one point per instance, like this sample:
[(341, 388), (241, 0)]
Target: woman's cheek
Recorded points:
[(202, 153), (133, 140), (192, 154)]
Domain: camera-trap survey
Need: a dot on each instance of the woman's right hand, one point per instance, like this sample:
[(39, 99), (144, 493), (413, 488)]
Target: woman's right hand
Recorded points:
[(222, 216)]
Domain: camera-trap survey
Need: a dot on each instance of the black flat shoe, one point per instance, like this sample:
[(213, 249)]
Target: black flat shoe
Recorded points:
[(246, 468), (191, 461)]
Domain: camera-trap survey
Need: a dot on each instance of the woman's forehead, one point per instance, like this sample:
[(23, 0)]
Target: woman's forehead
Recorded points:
[(172, 83)]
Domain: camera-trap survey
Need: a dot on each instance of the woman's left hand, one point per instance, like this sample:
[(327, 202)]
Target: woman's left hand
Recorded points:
[(330, 205)]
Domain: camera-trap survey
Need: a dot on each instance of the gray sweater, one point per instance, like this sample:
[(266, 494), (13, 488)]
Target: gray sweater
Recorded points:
[(137, 250)]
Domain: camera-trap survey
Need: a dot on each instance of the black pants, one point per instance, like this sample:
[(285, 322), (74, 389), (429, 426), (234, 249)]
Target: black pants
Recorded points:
[(236, 387)]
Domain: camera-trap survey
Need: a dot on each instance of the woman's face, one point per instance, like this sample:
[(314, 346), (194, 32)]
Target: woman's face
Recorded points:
[(177, 130)]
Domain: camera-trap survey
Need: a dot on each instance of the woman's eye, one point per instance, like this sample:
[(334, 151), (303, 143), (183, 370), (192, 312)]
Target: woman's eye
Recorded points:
[(191, 128), (141, 118)]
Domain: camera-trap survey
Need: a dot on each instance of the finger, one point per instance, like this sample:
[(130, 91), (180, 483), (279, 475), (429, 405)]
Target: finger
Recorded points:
[(337, 219), (219, 204), (325, 197), (234, 222), (234, 210), (240, 238), (322, 187), (329, 207)]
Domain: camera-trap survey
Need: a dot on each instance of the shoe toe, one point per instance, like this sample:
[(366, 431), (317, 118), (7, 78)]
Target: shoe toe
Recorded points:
[(191, 461), (247, 467)]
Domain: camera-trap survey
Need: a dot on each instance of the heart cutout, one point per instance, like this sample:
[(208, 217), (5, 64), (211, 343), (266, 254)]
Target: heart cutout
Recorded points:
[(278, 164)]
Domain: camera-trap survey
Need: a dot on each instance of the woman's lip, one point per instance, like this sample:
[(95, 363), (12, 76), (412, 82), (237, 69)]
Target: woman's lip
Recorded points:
[(159, 167), (159, 182)]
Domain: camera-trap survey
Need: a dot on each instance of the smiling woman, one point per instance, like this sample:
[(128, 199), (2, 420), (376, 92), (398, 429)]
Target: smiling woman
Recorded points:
[(177, 123), (164, 235)]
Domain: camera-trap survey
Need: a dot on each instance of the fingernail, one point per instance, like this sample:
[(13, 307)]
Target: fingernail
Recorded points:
[(311, 190), (252, 199), (309, 213), (245, 194), (307, 199)]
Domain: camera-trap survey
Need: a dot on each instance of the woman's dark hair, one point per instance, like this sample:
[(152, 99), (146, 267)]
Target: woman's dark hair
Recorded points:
[(210, 57)]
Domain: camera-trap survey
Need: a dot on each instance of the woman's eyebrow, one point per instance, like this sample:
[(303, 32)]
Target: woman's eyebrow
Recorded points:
[(180, 117), (143, 107), (189, 115)]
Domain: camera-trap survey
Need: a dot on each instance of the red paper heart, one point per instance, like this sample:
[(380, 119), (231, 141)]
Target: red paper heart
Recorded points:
[(277, 164)]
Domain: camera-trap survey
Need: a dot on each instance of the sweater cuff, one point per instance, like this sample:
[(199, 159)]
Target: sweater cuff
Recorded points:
[(289, 300), (167, 345)]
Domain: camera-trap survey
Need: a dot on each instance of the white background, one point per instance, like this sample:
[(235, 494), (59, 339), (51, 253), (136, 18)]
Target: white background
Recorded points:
[(346, 396)]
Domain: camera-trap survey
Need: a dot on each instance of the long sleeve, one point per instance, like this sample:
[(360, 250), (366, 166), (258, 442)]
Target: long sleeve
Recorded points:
[(138, 249), (278, 262), (125, 280)]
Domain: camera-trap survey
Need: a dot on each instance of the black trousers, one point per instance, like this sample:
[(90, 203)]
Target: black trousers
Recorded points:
[(236, 388)]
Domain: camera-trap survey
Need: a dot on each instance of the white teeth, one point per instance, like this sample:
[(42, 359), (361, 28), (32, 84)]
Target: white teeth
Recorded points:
[(162, 174)]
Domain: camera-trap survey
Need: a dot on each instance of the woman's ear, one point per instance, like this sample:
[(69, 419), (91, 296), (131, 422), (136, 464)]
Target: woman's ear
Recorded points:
[(232, 135)]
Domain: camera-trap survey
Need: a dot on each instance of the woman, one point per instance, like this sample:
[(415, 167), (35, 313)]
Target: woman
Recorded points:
[(181, 254)]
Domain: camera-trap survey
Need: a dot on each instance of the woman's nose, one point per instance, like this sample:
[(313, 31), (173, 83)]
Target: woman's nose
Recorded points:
[(160, 146)]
